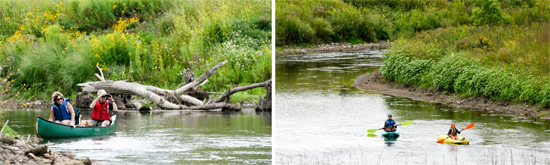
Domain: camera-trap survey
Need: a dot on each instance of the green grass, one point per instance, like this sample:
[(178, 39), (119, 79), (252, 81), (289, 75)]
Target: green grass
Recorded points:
[(48, 46), (355, 21), (506, 62), (249, 95), (10, 132)]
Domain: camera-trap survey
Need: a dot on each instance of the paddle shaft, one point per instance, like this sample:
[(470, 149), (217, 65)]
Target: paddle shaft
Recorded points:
[(405, 123)]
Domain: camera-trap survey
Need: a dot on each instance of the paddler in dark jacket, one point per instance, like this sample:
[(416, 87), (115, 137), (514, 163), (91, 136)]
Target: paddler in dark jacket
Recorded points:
[(389, 125), (453, 132)]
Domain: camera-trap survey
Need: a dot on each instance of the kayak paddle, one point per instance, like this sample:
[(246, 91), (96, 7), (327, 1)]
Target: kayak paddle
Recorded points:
[(405, 123), (374, 130), (467, 127)]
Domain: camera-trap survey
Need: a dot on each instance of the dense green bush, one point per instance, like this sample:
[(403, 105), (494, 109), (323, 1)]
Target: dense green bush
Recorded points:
[(488, 14), (459, 73)]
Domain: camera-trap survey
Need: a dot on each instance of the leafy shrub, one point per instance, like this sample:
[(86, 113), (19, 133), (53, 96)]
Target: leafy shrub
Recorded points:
[(488, 14)]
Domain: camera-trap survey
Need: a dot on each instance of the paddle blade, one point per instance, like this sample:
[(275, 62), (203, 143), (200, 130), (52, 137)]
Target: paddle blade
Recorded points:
[(470, 126), (442, 140), (372, 130), (407, 122), (371, 135)]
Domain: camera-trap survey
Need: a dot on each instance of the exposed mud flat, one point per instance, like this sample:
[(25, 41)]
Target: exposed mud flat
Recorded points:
[(375, 82)]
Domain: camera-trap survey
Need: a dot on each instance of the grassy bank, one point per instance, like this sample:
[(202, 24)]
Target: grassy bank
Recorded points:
[(48, 46), (508, 62), (357, 21)]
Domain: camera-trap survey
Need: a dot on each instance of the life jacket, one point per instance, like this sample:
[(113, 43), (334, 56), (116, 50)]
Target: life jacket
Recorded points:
[(61, 112), (101, 112), (453, 131), (389, 125)]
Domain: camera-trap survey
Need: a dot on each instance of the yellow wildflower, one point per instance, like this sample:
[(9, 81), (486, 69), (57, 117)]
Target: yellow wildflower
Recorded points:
[(97, 64), (97, 55), (114, 6)]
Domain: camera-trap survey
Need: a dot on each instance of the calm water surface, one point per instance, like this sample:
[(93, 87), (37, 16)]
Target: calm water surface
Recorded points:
[(321, 118), (167, 137)]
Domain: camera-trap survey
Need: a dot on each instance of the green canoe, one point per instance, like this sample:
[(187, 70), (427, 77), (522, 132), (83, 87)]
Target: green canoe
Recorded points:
[(51, 130)]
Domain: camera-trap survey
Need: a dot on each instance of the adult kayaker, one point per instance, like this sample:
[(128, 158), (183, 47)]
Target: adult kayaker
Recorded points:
[(62, 111), (101, 109), (453, 132), (389, 125)]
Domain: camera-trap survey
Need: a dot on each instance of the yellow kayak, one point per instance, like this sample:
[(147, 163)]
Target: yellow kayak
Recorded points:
[(452, 141)]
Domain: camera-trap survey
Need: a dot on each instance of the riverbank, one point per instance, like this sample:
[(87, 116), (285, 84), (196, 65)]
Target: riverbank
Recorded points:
[(331, 47), (375, 82), (15, 150)]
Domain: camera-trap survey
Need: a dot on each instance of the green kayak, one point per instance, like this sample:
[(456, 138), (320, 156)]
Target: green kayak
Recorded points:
[(390, 136), (51, 130)]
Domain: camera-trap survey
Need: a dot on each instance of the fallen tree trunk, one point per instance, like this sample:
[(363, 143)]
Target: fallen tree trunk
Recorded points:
[(189, 94), (238, 89), (214, 106), (129, 88), (191, 100), (199, 80)]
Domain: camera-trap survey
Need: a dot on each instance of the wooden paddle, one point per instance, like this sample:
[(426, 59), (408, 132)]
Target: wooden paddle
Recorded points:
[(374, 130), (467, 127)]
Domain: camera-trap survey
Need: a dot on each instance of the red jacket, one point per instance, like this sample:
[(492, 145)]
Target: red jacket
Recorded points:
[(101, 112)]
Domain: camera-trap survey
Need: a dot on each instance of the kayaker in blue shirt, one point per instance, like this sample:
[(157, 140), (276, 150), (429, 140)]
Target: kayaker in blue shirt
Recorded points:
[(389, 125), (62, 111), (453, 132)]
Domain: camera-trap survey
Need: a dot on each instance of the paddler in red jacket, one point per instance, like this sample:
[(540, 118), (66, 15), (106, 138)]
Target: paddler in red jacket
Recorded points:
[(101, 109)]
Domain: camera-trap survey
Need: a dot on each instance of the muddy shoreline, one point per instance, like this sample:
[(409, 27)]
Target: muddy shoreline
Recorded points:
[(332, 47), (376, 83)]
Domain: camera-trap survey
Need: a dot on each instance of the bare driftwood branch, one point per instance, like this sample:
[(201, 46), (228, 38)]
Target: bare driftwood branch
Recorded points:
[(100, 77), (2, 131), (190, 99), (131, 88), (215, 106), (199, 80), (238, 89)]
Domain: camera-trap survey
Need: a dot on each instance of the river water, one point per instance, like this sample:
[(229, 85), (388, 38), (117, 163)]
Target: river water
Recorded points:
[(321, 118), (166, 137)]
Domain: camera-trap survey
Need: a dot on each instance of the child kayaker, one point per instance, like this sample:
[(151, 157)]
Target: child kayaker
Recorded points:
[(389, 125), (453, 132)]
